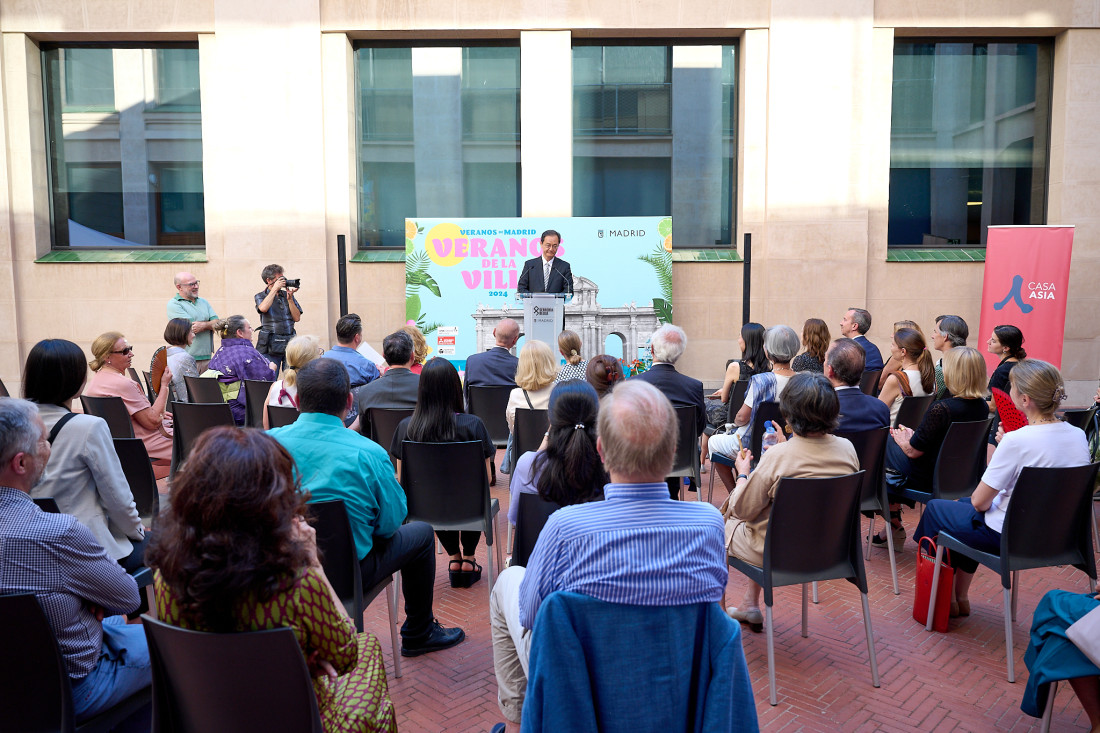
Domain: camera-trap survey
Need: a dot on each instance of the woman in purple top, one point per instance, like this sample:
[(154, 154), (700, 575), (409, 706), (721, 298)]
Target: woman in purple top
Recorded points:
[(238, 359), (566, 469)]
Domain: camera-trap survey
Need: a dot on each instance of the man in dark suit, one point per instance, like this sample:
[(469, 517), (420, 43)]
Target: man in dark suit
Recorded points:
[(396, 389), (546, 274), (668, 344), (844, 368), (855, 324), (495, 367)]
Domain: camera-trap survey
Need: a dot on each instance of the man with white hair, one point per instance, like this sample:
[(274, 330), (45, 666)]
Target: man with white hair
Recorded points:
[(74, 579), (638, 546)]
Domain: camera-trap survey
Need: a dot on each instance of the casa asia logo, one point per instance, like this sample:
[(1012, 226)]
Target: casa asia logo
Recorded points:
[(1037, 289)]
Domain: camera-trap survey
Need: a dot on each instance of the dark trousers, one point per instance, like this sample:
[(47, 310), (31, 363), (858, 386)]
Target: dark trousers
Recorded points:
[(963, 522), (449, 540), (410, 550)]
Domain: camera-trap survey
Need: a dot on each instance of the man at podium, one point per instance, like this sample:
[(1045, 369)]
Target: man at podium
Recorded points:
[(546, 274)]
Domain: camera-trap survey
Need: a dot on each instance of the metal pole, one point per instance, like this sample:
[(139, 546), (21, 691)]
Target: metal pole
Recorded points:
[(342, 272), (746, 288)]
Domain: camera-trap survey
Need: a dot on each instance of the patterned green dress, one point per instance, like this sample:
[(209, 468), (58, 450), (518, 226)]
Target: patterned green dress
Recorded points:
[(358, 700)]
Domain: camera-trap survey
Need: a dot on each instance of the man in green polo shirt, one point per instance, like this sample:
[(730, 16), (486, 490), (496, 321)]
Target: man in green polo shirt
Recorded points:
[(187, 304)]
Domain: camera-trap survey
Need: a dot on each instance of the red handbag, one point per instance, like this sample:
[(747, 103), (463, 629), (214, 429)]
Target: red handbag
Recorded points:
[(926, 565)]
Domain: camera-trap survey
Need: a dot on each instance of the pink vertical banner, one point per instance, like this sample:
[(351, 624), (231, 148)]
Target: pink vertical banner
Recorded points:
[(1026, 285)]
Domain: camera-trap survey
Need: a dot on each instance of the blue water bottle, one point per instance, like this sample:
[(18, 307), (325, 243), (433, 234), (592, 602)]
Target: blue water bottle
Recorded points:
[(769, 439)]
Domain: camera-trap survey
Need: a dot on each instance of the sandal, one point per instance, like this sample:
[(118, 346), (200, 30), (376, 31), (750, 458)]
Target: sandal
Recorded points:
[(454, 569), (465, 578)]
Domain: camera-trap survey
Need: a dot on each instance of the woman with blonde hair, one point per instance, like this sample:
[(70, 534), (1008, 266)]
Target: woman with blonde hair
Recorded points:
[(1037, 389), (893, 364), (569, 344), (534, 382), (420, 347), (237, 360), (815, 341), (917, 376), (284, 392)]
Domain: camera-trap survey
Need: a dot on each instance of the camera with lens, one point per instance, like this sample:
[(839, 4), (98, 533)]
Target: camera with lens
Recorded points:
[(295, 283)]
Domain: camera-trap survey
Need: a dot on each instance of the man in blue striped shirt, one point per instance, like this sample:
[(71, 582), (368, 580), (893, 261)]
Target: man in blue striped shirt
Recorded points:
[(638, 546)]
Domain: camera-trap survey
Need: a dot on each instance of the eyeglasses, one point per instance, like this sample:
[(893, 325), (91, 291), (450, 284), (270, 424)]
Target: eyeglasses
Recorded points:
[(127, 350), (192, 284)]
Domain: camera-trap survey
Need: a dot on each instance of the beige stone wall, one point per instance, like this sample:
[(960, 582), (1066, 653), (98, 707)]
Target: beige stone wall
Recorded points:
[(280, 162)]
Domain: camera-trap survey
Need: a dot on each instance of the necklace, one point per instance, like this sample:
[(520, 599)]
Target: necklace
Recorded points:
[(1043, 421)]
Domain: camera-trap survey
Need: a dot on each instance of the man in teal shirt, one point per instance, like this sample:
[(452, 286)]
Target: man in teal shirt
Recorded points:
[(187, 304), (336, 463)]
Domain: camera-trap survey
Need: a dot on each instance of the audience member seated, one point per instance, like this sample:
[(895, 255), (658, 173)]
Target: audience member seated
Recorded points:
[(112, 356), (336, 463), (810, 406), (1052, 657), (780, 345), (911, 455), (300, 351), (77, 583), (237, 359), (1037, 390), (439, 418), (752, 361), (84, 475), (566, 468), (495, 367), (534, 381), (234, 553), (815, 342), (893, 362), (844, 369), (1007, 342), (603, 373), (950, 331), (855, 324), (398, 386), (420, 346), (178, 335), (915, 378), (638, 546), (361, 370), (569, 346)]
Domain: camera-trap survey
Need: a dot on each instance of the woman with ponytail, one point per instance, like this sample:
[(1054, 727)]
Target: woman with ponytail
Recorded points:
[(237, 360), (917, 376), (569, 345), (284, 392), (566, 469)]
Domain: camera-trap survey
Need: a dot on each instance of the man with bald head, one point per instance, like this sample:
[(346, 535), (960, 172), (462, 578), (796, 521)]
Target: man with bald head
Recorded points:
[(187, 304), (495, 367), (637, 547)]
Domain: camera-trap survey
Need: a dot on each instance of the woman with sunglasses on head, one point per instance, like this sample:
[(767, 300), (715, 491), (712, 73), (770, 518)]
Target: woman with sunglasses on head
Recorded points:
[(236, 360), (112, 357)]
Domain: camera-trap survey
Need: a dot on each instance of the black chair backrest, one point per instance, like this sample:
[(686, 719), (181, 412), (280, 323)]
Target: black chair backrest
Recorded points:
[(685, 461), (149, 391), (134, 375), (139, 475), (737, 397), (813, 532), (35, 693), (1049, 520), (47, 504), (3, 389), (532, 514), (255, 395), (490, 404), (528, 428), (278, 417), (912, 410), (113, 411), (339, 557), (766, 412), (961, 461), (870, 446), (1080, 418), (459, 494), (256, 680), (203, 389), (192, 419), (868, 383), (382, 422)]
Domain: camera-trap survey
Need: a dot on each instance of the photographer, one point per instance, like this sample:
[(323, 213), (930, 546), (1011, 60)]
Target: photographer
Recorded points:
[(279, 311)]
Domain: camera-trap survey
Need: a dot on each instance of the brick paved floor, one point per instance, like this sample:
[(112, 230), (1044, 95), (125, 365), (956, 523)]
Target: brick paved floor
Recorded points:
[(930, 682)]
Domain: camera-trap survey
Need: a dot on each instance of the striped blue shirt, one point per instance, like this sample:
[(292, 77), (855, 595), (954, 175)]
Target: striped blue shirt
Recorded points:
[(638, 546)]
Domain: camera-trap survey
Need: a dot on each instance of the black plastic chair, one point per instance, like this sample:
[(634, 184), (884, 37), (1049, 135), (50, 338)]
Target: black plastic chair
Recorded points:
[(959, 465), (134, 375), (380, 423), (340, 561), (1080, 418), (35, 691), (813, 534), (47, 504), (111, 409), (912, 410), (1048, 523), (531, 516), (686, 459), (203, 389), (3, 389), (766, 412), (149, 391), (215, 683), (255, 396), (737, 398), (139, 475), (280, 417), (490, 404), (868, 383), (870, 446), (192, 419), (446, 486), (528, 428)]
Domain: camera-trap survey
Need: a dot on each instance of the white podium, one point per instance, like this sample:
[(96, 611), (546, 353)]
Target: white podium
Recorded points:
[(544, 316)]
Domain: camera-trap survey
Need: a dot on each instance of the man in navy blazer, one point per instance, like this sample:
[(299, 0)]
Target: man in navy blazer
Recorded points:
[(844, 368), (397, 388), (854, 325), (533, 277), (495, 367)]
